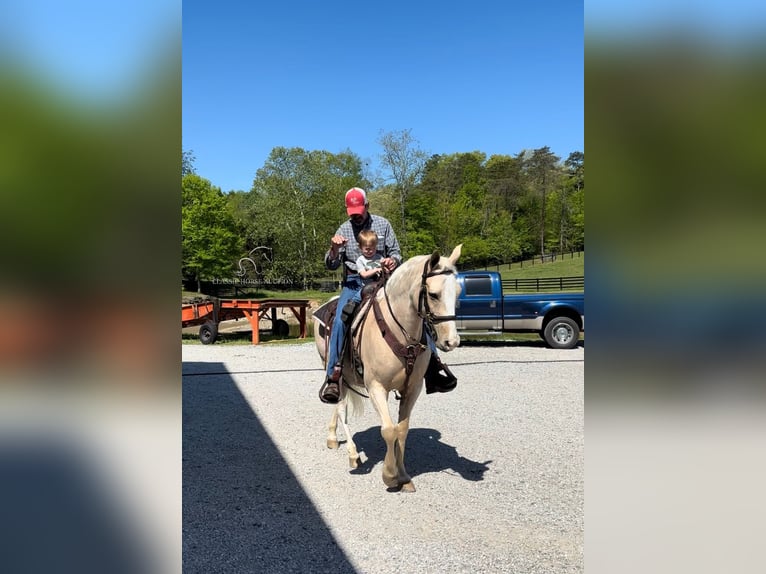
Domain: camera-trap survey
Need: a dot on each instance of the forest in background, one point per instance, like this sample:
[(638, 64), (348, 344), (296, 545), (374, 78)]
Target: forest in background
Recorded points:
[(502, 208)]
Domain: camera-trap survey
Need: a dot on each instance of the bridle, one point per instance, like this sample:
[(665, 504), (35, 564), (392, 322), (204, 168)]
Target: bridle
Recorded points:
[(424, 309)]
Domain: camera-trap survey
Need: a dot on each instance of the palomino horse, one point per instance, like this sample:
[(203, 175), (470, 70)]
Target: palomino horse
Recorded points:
[(390, 338)]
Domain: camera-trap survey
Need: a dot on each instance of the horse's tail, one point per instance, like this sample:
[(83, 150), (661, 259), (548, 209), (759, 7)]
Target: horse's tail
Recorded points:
[(355, 402)]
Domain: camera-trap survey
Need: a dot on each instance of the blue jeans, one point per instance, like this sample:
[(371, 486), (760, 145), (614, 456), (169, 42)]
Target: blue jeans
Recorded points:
[(352, 291)]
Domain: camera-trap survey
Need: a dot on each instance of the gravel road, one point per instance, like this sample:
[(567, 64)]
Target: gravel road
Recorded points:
[(497, 463)]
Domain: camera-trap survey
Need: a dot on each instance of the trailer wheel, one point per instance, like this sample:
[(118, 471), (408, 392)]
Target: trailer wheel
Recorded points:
[(562, 333), (281, 328), (208, 333)]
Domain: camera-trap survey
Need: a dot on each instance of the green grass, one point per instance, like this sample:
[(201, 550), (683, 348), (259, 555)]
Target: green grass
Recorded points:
[(566, 267)]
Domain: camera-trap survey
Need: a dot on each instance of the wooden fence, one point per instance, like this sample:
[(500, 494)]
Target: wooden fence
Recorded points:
[(544, 284)]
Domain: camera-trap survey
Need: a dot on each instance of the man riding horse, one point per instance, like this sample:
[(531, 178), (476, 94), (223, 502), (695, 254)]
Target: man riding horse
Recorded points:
[(345, 250)]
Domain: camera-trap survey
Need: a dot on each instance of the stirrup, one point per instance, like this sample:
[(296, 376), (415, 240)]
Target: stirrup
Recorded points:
[(331, 397), (327, 394)]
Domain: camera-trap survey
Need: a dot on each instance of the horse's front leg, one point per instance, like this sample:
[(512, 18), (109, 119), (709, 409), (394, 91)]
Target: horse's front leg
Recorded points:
[(379, 399), (402, 429)]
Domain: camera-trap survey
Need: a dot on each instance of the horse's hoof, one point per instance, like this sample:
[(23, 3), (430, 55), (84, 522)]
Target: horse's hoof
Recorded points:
[(354, 462), (391, 482), (332, 443), (408, 487)]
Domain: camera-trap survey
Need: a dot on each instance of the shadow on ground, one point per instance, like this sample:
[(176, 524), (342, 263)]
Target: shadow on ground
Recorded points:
[(243, 509), (61, 513), (424, 453)]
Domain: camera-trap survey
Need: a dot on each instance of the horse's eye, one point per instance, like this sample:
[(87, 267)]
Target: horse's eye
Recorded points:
[(434, 296)]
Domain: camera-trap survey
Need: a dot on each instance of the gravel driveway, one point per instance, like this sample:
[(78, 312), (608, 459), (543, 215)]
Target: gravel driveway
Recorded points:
[(497, 463)]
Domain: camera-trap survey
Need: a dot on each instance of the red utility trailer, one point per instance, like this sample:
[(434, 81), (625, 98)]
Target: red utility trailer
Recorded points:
[(209, 312)]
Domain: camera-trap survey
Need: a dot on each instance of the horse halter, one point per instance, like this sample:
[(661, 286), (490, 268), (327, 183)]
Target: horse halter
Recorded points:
[(424, 310)]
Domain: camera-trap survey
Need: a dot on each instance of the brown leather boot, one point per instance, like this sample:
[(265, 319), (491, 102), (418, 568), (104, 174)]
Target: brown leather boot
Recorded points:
[(330, 390), (436, 382)]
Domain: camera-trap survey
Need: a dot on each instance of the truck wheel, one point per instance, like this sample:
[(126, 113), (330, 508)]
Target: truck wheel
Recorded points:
[(208, 333), (281, 328), (562, 333)]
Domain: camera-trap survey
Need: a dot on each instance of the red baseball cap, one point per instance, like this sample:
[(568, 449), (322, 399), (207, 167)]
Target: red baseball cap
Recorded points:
[(356, 201)]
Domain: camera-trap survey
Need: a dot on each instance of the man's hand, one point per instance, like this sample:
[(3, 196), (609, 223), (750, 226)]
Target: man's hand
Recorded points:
[(389, 263), (336, 243)]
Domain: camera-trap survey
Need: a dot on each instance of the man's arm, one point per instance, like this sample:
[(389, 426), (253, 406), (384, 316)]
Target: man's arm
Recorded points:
[(332, 258)]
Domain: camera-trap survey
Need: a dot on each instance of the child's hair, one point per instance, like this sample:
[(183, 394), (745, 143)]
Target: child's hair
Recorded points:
[(367, 237)]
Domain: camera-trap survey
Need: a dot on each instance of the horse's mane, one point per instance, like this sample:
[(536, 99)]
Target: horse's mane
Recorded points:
[(409, 273)]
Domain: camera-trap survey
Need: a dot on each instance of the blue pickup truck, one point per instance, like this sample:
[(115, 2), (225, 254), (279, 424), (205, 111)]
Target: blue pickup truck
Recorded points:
[(483, 308)]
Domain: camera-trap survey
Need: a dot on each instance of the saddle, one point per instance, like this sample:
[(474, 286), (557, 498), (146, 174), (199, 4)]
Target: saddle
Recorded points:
[(354, 316)]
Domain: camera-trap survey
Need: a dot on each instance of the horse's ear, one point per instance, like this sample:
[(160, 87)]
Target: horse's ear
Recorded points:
[(455, 254), (435, 258)]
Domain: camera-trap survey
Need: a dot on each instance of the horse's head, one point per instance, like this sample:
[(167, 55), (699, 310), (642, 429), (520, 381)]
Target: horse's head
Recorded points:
[(438, 294)]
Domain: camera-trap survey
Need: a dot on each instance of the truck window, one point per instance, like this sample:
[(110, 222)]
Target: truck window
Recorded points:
[(478, 286)]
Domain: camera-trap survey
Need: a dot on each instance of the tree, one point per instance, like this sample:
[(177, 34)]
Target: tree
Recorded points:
[(544, 172), (210, 243), (504, 182), (187, 163), (503, 238), (296, 204), (575, 165), (456, 186), (405, 162)]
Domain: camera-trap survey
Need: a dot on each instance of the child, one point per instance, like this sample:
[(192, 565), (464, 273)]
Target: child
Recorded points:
[(368, 263)]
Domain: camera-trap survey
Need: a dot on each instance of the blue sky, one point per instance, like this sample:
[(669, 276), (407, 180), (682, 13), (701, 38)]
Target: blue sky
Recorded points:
[(497, 76), (715, 20), (494, 76), (91, 49)]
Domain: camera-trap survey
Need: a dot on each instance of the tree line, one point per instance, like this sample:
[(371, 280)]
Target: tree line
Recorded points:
[(501, 208)]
